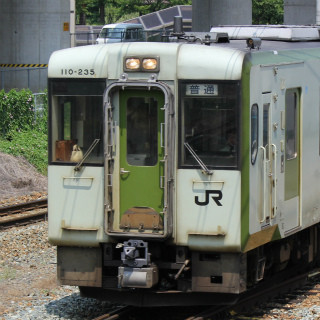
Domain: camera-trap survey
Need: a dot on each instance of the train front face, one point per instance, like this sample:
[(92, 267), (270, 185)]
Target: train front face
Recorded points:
[(144, 173)]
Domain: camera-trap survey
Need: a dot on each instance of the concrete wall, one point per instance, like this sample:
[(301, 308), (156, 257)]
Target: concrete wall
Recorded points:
[(30, 30), (206, 13), (301, 12)]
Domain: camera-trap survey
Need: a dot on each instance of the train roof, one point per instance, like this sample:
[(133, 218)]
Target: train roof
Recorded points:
[(190, 52), (270, 32), (271, 45), (271, 37)]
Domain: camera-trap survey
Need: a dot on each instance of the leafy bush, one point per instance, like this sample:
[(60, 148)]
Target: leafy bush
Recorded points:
[(23, 129), (267, 11), (17, 112)]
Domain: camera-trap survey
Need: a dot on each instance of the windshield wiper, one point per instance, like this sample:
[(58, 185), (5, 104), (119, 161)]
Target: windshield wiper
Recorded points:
[(197, 158), (86, 155)]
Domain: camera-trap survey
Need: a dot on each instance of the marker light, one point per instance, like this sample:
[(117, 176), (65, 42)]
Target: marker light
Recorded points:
[(254, 43), (133, 64), (149, 64)]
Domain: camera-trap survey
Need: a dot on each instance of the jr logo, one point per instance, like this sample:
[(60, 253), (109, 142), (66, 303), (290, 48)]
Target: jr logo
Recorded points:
[(217, 197)]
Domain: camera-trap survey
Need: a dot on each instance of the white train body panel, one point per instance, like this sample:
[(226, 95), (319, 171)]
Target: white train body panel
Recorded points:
[(76, 207), (211, 227), (220, 63), (269, 87), (177, 61)]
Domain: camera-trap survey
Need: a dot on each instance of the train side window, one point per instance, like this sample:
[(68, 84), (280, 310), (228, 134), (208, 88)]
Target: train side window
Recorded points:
[(254, 132), (291, 124), (208, 121)]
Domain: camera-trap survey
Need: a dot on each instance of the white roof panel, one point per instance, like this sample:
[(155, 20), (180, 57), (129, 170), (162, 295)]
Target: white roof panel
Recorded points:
[(271, 32)]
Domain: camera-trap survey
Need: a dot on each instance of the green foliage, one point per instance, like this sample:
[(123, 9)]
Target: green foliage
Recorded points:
[(143, 7), (267, 11), (16, 111), (114, 14), (110, 11), (31, 144), (24, 129)]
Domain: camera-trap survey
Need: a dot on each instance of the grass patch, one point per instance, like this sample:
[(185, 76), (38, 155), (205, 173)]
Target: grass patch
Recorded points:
[(23, 127), (32, 145)]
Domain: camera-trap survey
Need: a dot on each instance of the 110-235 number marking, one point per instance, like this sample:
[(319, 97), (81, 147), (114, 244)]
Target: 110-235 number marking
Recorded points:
[(79, 72)]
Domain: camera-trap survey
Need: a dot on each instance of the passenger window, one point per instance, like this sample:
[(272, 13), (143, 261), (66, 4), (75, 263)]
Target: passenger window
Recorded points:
[(254, 132), (291, 124)]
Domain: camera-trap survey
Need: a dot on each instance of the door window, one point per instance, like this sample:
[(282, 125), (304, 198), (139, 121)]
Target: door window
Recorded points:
[(291, 124), (254, 132), (292, 128), (266, 138), (142, 131)]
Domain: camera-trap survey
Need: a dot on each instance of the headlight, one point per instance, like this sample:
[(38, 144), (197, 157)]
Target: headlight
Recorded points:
[(132, 64), (146, 64), (149, 64)]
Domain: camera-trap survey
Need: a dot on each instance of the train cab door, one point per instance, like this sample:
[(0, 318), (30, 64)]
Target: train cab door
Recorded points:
[(141, 161)]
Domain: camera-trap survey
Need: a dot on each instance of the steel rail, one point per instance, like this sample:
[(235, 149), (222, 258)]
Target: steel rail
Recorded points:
[(116, 314), (23, 213), (24, 206)]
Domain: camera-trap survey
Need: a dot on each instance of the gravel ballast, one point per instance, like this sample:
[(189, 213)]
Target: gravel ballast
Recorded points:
[(29, 290), (28, 286)]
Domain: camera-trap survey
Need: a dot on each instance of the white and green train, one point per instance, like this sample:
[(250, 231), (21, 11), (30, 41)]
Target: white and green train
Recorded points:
[(185, 172)]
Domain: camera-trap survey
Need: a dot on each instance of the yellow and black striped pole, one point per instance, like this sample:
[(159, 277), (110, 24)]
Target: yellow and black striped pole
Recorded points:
[(21, 65)]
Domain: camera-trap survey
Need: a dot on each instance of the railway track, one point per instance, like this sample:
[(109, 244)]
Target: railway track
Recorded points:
[(116, 314), (251, 305), (23, 213)]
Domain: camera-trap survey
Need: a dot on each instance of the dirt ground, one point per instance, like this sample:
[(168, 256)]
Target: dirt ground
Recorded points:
[(19, 178)]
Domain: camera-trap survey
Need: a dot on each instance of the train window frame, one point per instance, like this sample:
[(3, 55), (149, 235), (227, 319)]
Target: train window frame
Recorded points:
[(254, 132), (237, 116), (69, 88)]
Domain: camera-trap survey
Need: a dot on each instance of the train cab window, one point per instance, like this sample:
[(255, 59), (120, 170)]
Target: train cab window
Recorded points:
[(209, 124), (76, 121), (254, 132)]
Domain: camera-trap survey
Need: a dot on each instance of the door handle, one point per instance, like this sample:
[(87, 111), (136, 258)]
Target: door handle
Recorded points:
[(122, 171)]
